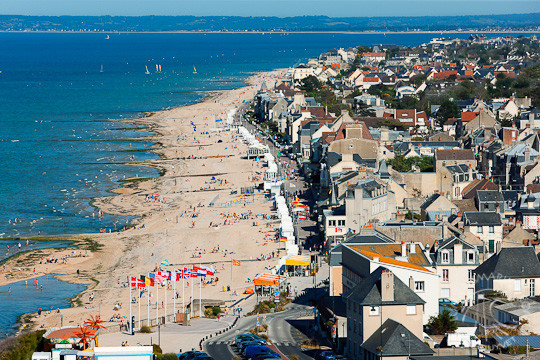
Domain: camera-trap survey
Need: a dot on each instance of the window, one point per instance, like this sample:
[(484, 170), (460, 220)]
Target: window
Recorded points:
[(470, 275), (419, 286), (470, 257), (445, 275), (445, 257), (479, 230), (341, 222), (531, 287), (373, 310), (331, 222), (411, 309), (491, 229), (517, 285)]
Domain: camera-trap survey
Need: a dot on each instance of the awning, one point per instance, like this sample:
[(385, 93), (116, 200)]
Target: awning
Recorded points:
[(297, 260), (268, 279)]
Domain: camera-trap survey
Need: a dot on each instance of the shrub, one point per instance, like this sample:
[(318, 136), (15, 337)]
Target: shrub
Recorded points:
[(208, 313), (216, 310), (169, 356), (22, 347), (145, 329), (157, 349), (293, 357)]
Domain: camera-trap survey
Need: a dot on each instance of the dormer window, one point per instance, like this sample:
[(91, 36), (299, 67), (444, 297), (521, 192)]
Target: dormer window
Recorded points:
[(373, 310), (445, 257), (470, 257)]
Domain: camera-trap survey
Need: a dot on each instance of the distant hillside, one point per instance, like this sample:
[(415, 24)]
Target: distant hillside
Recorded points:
[(235, 23)]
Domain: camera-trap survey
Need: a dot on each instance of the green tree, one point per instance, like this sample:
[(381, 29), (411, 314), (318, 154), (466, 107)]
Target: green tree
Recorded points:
[(448, 109), (442, 323)]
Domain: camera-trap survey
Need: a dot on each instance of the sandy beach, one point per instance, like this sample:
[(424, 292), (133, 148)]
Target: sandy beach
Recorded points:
[(201, 164)]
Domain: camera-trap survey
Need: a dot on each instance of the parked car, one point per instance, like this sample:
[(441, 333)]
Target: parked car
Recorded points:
[(325, 355), (252, 351), (247, 337), (446, 301), (190, 355), (253, 342)]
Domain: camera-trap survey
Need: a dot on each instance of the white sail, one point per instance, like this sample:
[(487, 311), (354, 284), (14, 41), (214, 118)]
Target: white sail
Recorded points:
[(147, 72), (194, 70)]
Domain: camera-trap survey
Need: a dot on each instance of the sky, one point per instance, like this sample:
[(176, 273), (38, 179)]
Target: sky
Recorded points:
[(281, 8)]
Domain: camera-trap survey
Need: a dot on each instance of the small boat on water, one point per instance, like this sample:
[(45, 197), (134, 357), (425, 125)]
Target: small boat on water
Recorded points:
[(107, 38), (147, 72), (101, 70), (194, 70)]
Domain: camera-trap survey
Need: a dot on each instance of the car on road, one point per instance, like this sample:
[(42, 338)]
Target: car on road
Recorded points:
[(245, 344), (190, 355), (325, 355), (240, 340), (252, 351)]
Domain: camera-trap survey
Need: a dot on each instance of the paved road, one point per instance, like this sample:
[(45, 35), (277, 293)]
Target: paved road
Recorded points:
[(286, 330)]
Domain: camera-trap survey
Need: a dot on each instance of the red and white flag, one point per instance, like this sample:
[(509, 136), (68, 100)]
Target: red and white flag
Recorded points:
[(136, 282), (209, 270), (198, 271)]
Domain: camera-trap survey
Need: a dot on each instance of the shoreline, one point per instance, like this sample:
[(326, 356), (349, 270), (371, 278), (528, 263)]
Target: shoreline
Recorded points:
[(108, 205), (363, 32)]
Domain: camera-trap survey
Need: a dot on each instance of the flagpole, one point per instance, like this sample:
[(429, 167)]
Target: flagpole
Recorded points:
[(139, 300), (191, 307), (200, 294), (174, 298), (129, 320), (183, 297), (166, 291), (157, 303), (148, 307)]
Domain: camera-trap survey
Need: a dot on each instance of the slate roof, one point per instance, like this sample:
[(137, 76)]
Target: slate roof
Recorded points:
[(456, 154), (512, 262), (368, 291), (375, 238), (334, 158), (482, 218), (458, 169), (489, 195), (430, 200), (395, 340)]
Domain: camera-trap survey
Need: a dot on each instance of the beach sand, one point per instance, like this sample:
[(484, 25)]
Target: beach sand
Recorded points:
[(166, 228)]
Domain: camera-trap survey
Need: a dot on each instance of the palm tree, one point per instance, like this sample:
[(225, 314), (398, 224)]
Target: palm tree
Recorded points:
[(84, 334), (94, 323)]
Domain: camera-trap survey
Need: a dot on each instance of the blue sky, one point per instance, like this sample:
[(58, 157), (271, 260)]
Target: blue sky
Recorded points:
[(280, 8)]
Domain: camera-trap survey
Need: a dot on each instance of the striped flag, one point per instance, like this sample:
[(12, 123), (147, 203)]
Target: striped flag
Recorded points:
[(209, 270), (147, 280), (158, 279), (197, 271)]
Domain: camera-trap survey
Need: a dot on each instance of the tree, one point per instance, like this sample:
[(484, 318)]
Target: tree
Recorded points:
[(442, 323), (448, 110), (94, 323)]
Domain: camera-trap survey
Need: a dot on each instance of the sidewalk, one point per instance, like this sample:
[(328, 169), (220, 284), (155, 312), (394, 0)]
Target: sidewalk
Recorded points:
[(173, 337)]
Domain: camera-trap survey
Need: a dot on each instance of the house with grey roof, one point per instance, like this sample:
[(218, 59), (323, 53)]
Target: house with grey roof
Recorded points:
[(516, 312), (370, 200), (455, 261), (529, 211), (392, 340), (514, 271), (437, 207), (487, 226), (378, 297), (489, 200)]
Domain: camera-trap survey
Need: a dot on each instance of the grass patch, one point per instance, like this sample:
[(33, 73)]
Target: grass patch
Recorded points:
[(90, 245), (135, 180)]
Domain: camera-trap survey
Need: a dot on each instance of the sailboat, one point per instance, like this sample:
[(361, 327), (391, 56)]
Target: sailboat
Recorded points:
[(194, 69), (147, 72), (107, 38), (101, 70), (159, 68)]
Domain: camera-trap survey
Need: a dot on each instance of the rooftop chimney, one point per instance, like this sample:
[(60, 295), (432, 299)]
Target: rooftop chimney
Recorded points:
[(458, 253), (387, 286), (411, 283), (403, 249), (413, 248)]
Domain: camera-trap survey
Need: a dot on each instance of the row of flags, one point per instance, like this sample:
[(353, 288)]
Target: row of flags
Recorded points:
[(159, 277)]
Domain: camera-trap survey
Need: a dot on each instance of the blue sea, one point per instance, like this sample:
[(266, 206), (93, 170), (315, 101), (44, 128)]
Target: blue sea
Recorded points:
[(25, 298), (61, 143)]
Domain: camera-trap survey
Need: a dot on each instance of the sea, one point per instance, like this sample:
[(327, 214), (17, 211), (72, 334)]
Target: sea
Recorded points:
[(62, 96)]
